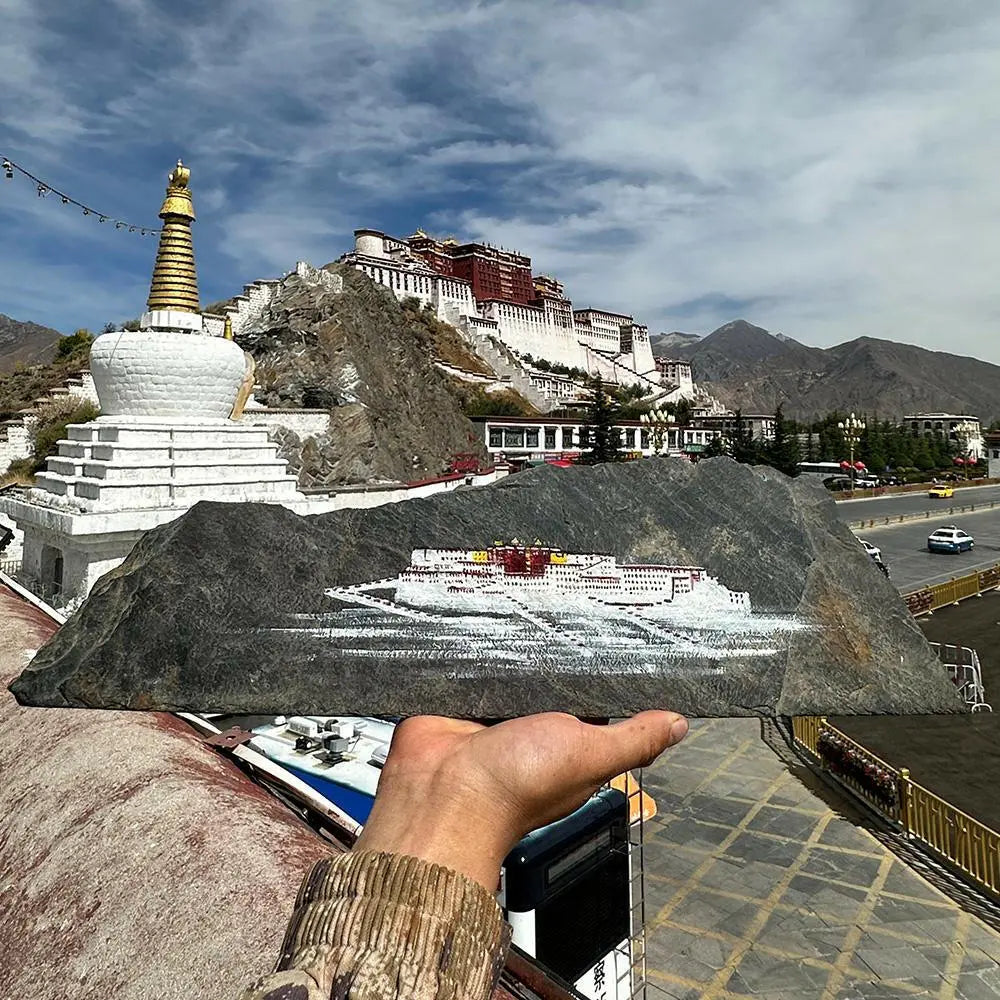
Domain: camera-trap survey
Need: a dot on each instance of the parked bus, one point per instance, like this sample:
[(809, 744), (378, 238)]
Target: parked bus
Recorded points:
[(820, 468)]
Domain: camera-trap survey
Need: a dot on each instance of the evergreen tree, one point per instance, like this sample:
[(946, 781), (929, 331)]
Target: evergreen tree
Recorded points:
[(602, 437), (716, 448), (742, 446), (783, 451)]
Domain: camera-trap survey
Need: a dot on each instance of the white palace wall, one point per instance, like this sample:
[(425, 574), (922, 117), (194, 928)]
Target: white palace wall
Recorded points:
[(551, 333)]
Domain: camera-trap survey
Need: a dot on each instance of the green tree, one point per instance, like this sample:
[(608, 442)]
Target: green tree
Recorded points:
[(716, 448), (742, 446), (602, 437), (782, 452), (74, 346)]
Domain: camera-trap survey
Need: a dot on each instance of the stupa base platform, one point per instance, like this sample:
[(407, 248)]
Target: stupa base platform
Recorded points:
[(127, 465)]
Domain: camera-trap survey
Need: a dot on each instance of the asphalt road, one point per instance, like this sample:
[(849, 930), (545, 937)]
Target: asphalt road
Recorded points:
[(911, 503), (904, 548)]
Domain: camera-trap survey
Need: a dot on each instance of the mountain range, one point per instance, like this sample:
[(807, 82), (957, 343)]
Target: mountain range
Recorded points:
[(745, 366), (25, 343)]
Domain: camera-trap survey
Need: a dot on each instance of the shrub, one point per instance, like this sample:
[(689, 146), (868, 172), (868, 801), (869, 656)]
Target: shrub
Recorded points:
[(51, 428), (77, 345)]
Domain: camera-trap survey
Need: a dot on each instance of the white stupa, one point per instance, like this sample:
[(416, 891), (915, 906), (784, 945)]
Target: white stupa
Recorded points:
[(166, 437)]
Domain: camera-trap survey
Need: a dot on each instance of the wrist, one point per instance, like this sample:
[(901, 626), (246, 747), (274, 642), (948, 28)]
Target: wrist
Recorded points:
[(439, 828)]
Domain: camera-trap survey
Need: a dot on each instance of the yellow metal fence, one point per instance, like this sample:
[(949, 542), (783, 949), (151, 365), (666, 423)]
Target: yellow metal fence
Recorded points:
[(965, 842), (927, 599)]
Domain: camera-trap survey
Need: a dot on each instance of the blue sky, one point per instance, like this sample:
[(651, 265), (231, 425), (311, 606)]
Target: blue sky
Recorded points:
[(825, 169)]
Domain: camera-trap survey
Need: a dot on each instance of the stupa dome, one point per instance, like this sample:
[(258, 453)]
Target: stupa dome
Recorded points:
[(169, 369), (165, 374)]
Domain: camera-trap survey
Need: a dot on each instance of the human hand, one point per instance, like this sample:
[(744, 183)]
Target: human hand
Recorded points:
[(461, 794)]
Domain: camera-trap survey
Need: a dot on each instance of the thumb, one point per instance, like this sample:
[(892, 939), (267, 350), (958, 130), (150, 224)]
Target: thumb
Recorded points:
[(635, 742)]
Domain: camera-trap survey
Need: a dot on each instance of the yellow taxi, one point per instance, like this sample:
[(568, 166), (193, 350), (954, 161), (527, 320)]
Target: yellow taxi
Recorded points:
[(942, 491)]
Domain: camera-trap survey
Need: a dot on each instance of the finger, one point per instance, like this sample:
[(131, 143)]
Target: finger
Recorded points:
[(634, 742)]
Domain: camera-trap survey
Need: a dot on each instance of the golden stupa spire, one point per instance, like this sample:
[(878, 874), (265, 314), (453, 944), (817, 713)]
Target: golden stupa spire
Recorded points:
[(175, 280)]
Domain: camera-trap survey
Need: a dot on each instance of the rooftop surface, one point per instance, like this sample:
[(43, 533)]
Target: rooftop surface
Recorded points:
[(136, 862)]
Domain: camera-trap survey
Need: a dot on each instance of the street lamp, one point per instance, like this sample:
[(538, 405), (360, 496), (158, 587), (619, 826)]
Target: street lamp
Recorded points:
[(852, 428), (964, 434), (658, 422)]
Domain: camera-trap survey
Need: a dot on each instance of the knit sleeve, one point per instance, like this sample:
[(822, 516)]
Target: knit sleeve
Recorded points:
[(373, 926)]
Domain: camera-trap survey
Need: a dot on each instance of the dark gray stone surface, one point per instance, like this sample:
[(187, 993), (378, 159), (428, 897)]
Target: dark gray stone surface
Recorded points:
[(225, 609)]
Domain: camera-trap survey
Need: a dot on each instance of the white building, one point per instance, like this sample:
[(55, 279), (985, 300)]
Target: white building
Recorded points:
[(528, 439), (675, 372), (961, 428), (540, 323)]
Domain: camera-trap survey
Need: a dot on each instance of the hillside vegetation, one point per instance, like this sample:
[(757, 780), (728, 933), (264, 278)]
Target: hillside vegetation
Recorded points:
[(21, 387)]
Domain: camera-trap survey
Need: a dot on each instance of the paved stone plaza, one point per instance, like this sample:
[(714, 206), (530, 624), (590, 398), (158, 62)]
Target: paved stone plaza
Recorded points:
[(756, 886)]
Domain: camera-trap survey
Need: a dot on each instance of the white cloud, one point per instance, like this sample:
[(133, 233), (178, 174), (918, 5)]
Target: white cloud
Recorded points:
[(831, 164)]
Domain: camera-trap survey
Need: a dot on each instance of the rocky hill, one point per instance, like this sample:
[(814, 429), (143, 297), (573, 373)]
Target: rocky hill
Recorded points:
[(666, 344), (369, 360), (25, 343), (744, 365)]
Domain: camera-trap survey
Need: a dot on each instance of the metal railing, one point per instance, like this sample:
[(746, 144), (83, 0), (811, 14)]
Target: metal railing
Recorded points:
[(919, 515), (10, 567), (955, 835), (963, 841), (927, 599)]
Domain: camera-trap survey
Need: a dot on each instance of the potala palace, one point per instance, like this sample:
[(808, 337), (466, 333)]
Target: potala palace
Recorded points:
[(490, 293)]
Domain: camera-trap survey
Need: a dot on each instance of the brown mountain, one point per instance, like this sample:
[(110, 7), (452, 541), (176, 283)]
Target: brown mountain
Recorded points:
[(25, 343), (744, 365)]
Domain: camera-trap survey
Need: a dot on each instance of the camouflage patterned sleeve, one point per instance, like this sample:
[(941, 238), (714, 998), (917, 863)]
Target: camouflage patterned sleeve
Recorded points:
[(371, 926)]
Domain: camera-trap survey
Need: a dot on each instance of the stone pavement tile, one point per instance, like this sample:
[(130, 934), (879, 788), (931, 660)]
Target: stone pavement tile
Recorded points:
[(906, 882), (760, 973), (795, 795), (672, 861), (770, 850), (755, 765), (683, 780), (668, 803), (802, 933), (881, 991), (753, 879), (661, 988), (709, 809), (888, 910), (738, 786), (724, 734), (841, 833), (686, 830), (830, 938), (705, 910), (783, 822), (859, 871), (683, 953), (899, 961), (839, 901), (984, 985), (985, 940)]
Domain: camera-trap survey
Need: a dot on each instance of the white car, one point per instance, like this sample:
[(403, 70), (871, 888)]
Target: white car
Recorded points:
[(949, 539), (873, 550)]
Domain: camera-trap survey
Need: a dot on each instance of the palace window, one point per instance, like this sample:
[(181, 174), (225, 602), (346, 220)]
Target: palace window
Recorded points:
[(630, 437), (513, 437), (496, 437), (531, 437), (550, 438), (567, 437)]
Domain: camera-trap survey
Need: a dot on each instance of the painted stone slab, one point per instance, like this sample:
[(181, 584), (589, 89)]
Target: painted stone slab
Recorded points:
[(712, 589)]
